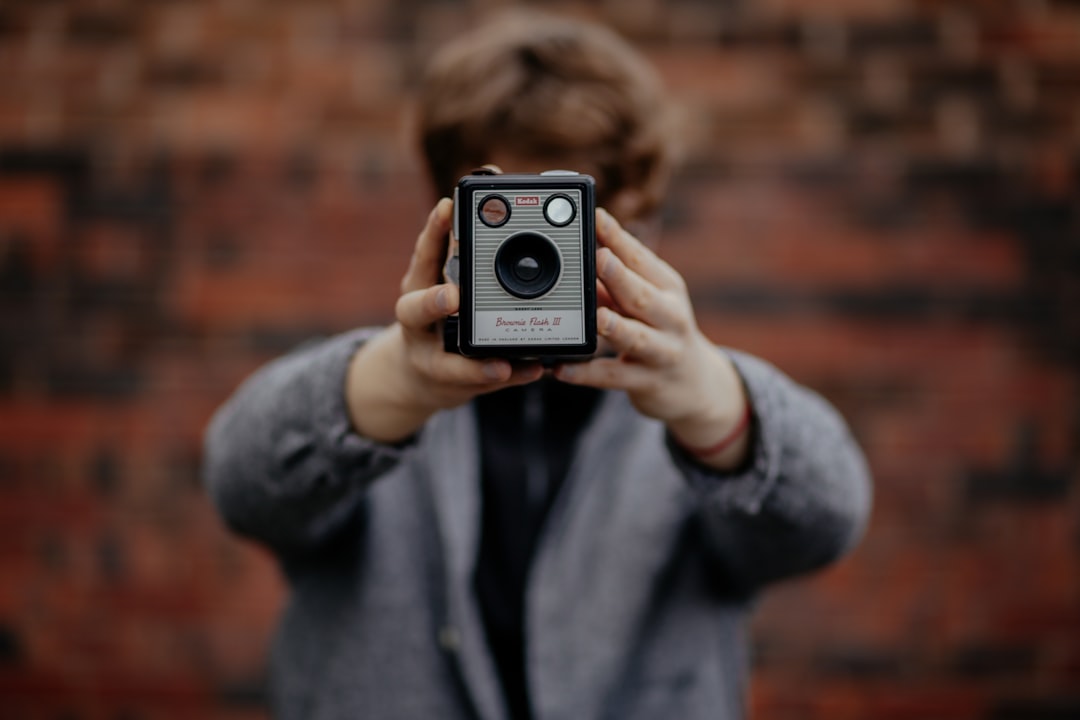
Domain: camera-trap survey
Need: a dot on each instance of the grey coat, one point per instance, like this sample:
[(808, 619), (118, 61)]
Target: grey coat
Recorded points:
[(637, 601)]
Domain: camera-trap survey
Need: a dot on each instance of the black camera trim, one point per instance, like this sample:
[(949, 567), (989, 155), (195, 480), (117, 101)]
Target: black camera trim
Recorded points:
[(471, 186)]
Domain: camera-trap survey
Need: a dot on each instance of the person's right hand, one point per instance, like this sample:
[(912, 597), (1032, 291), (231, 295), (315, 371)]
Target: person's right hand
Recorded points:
[(402, 376)]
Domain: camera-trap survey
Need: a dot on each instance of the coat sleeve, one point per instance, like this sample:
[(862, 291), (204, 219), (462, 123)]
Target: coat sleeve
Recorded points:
[(803, 498), (281, 460)]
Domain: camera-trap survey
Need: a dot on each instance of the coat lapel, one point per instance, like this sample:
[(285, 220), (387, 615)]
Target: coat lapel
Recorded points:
[(454, 473), (606, 541)]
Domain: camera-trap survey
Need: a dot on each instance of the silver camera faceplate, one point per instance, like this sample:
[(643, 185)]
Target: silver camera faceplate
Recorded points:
[(500, 319)]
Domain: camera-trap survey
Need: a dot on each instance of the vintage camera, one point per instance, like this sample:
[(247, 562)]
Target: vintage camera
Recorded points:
[(524, 254)]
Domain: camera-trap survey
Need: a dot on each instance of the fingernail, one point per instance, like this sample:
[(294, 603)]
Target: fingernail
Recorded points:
[(606, 320), (604, 256), (604, 217), (442, 301), (566, 372), (493, 370)]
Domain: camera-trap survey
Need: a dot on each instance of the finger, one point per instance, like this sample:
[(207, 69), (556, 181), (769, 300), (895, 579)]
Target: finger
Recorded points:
[(452, 369), (524, 374), (635, 339), (418, 310), (634, 253), (425, 264), (636, 296), (603, 297), (479, 376), (605, 373)]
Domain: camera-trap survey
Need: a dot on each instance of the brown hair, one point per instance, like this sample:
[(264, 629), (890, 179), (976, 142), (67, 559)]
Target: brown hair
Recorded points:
[(548, 89)]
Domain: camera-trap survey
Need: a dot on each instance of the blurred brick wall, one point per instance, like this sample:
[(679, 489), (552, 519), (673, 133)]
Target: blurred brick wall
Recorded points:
[(882, 197)]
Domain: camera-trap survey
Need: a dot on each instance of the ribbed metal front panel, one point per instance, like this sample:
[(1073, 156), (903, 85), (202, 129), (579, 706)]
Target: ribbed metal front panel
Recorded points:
[(489, 294)]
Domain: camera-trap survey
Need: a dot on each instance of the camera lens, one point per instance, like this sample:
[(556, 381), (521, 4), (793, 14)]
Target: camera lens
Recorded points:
[(528, 265), (494, 211), (559, 210), (527, 269)]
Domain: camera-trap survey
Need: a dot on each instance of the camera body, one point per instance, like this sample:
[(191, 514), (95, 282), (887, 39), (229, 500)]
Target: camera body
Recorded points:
[(524, 250)]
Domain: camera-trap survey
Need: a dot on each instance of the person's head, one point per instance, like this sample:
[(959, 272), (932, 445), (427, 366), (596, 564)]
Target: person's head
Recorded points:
[(532, 92)]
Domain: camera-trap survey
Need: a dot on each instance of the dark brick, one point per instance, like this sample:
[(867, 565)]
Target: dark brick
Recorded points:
[(223, 251), (976, 81), (69, 379), (985, 662), (11, 651), (150, 203), (869, 121), (217, 168), (184, 467), (301, 171), (978, 176), (1024, 478), (910, 303), (813, 175), (105, 472), (10, 24), (274, 340), (786, 35), (187, 74), (860, 664), (748, 300), (53, 553), (129, 714), (17, 275), (112, 559), (250, 693), (1061, 80), (1002, 121), (916, 34), (10, 470), (71, 165), (1050, 232), (905, 303), (1066, 707), (100, 28)]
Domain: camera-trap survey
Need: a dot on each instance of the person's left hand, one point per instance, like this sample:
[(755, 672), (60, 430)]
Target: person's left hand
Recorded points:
[(664, 363)]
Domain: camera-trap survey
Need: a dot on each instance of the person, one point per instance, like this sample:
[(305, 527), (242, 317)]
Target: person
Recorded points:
[(484, 539)]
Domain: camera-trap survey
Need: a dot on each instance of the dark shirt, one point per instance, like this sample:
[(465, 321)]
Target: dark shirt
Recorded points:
[(528, 435)]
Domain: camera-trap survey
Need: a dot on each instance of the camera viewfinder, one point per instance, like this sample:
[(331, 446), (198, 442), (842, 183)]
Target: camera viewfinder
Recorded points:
[(494, 211), (559, 210)]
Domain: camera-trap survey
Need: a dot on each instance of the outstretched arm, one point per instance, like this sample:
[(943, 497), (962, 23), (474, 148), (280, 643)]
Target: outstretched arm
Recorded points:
[(281, 459), (783, 486), (802, 496), (289, 456)]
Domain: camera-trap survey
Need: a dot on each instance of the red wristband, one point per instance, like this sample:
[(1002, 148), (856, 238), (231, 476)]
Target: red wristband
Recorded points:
[(724, 442)]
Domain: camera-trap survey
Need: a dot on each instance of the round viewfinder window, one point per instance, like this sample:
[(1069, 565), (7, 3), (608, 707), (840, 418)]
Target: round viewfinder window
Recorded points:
[(494, 210), (559, 210)]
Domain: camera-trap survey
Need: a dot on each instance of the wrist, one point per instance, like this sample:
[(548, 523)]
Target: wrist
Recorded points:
[(380, 397), (727, 440), (719, 433)]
